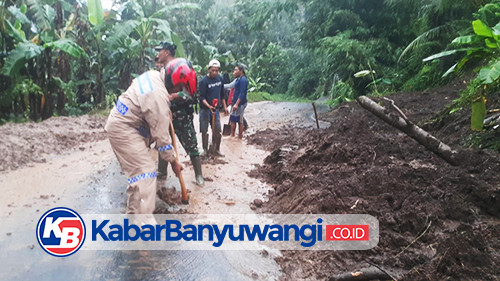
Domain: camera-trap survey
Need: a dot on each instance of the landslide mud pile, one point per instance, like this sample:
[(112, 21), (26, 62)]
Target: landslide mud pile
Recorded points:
[(25, 143), (437, 221)]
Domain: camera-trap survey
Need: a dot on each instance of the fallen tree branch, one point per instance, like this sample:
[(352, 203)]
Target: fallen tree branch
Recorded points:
[(415, 132), (365, 274), (393, 105)]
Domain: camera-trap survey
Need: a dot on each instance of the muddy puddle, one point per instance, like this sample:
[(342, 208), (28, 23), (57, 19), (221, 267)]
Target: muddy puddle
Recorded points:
[(88, 180)]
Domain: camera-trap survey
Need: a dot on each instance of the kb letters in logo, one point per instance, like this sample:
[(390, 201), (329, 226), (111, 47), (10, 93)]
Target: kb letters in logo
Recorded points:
[(60, 232)]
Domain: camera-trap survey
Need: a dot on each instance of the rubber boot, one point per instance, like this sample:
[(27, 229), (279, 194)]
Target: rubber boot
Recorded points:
[(218, 139), (162, 168), (196, 161), (204, 141)]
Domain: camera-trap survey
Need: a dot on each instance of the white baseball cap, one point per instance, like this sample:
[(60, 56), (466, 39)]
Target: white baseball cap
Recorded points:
[(213, 63)]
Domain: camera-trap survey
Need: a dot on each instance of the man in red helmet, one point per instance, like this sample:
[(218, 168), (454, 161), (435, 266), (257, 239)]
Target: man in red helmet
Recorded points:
[(182, 113), (142, 116)]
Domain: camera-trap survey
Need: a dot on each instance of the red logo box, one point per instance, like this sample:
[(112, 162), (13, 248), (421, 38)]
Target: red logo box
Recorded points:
[(347, 232)]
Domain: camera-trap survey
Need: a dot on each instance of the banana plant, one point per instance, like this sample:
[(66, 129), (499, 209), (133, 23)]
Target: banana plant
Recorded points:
[(484, 44), (96, 18), (143, 28), (256, 85), (135, 37), (35, 41), (47, 38)]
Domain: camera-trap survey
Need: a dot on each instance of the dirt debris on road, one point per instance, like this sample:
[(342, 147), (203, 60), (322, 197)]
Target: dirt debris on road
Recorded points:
[(90, 181), (27, 143), (437, 221)]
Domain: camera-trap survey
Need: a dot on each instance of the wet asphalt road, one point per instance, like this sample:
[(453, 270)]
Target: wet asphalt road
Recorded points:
[(90, 182)]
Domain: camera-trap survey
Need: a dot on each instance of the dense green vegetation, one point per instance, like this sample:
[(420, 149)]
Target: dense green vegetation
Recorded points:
[(71, 57)]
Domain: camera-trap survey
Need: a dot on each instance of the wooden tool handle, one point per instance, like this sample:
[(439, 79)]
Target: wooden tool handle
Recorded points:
[(184, 196)]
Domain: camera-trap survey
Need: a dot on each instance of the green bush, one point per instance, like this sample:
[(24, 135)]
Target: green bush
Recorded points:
[(80, 109), (15, 118), (307, 70), (258, 96), (489, 13), (110, 100), (429, 76), (273, 68), (340, 93)]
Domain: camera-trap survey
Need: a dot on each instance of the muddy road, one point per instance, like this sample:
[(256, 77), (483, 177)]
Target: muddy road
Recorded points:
[(68, 162), (437, 221)]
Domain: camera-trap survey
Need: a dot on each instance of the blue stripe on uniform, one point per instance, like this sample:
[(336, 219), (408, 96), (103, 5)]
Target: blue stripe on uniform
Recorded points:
[(165, 148), (145, 85), (121, 107), (141, 177)]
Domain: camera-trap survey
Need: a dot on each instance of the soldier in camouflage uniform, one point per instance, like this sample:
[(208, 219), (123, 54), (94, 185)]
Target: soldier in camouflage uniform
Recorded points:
[(183, 125), (182, 119)]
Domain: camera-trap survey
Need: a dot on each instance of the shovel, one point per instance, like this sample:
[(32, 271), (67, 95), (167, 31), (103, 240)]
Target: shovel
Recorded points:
[(184, 195), (211, 149), (226, 131)]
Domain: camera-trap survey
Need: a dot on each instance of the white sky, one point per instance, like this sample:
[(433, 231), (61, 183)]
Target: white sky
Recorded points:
[(106, 4)]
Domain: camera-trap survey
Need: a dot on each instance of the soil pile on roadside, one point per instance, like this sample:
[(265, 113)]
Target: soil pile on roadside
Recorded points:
[(25, 143), (437, 221)]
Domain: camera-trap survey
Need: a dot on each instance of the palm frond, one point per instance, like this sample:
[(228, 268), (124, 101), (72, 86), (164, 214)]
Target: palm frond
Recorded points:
[(163, 26), (19, 56), (44, 14), (16, 12), (96, 14), (121, 32), (67, 46), (429, 35)]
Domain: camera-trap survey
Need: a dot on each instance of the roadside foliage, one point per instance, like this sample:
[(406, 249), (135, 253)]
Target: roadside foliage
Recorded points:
[(71, 57)]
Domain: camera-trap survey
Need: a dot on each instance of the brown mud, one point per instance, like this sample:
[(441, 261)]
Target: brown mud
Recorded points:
[(68, 162), (437, 221), (28, 143)]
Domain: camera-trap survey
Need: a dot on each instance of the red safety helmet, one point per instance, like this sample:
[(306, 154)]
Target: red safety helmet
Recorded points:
[(180, 71)]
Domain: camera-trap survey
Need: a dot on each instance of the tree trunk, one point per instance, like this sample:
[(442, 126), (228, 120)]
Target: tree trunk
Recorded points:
[(415, 132), (47, 106), (7, 43), (125, 79), (99, 96), (63, 70), (83, 91), (34, 104), (62, 62)]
